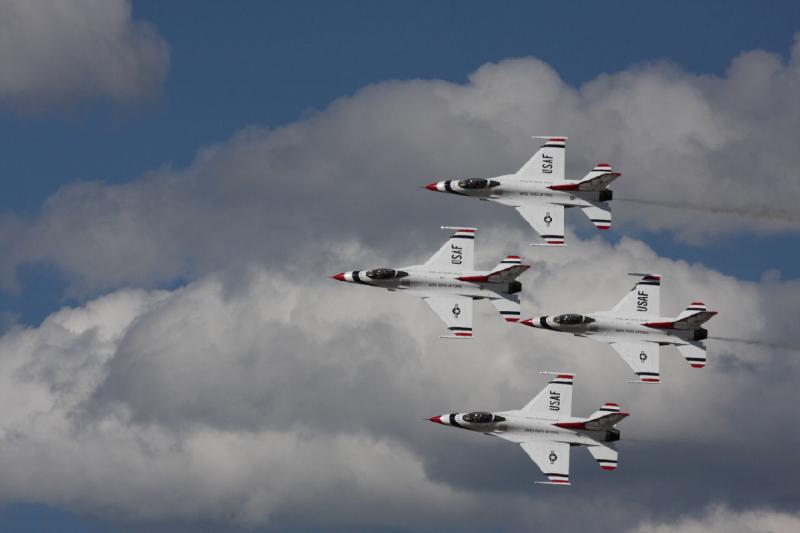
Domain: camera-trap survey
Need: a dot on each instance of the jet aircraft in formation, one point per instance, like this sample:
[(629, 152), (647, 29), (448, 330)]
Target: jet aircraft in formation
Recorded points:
[(546, 429), (449, 283), (540, 193), (636, 330)]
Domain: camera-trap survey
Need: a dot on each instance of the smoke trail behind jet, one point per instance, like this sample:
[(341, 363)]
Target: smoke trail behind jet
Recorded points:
[(755, 342), (769, 213)]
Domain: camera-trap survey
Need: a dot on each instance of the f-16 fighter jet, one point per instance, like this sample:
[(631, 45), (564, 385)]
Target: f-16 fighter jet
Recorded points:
[(540, 192), (546, 429), (635, 329), (448, 282)]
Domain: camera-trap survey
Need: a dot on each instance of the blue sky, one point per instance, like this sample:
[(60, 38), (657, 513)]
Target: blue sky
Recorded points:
[(269, 64)]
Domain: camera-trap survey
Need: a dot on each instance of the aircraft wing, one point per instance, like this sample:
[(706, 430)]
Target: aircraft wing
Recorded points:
[(554, 401), (546, 219), (455, 311), (642, 357), (547, 164), (643, 300), (552, 458), (457, 254)]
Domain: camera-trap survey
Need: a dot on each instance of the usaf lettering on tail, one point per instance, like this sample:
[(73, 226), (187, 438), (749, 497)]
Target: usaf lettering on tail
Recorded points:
[(547, 164), (555, 400), (456, 254), (641, 301)]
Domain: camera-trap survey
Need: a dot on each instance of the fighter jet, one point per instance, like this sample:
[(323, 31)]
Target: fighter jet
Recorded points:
[(635, 329), (546, 429), (540, 192), (448, 282)]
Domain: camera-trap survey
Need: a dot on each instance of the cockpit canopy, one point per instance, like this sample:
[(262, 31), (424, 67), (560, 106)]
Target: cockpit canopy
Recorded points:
[(477, 183), (480, 417), (386, 273), (572, 319)]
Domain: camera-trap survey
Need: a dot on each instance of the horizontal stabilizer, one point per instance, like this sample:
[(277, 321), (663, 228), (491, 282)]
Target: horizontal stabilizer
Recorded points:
[(694, 353), (600, 216), (606, 409), (603, 419), (508, 261), (504, 275), (606, 456), (508, 307), (695, 315), (596, 180)]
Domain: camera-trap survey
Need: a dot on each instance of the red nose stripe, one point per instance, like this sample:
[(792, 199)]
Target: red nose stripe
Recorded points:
[(437, 419), (339, 276), (527, 322), (431, 186)]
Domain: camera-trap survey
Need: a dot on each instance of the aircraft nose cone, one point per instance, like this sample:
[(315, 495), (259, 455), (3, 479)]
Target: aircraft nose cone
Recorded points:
[(339, 276), (437, 419), (528, 322), (431, 186)]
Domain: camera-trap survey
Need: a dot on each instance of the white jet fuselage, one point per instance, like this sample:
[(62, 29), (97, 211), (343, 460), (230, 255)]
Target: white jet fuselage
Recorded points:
[(419, 281), (513, 190), (516, 426), (603, 327)]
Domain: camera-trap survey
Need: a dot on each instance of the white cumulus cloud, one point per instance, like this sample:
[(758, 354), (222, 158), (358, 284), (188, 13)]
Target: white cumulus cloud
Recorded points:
[(60, 52)]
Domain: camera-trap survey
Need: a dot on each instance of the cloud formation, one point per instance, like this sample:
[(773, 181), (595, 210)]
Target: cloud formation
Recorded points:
[(353, 170), (262, 393), (56, 53), (251, 398), (723, 520)]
